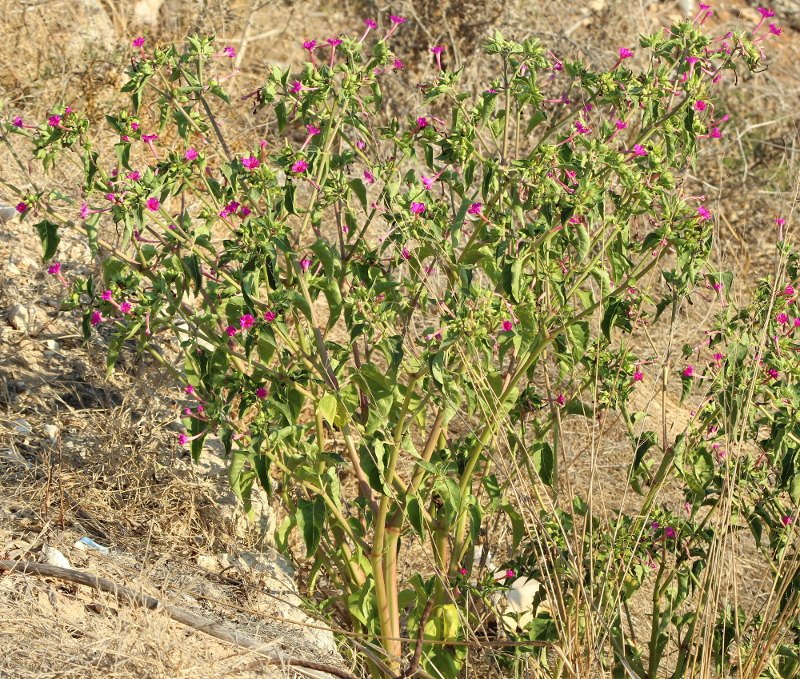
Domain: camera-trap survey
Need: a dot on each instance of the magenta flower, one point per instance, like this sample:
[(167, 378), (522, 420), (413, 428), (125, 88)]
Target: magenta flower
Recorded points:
[(638, 375), (230, 331), (305, 264), (510, 573), (369, 177), (787, 520), (229, 52), (580, 128), (766, 13), (261, 393), (398, 65), (639, 150), (96, 318), (703, 214), (107, 296), (137, 42), (250, 163), (183, 439), (620, 124), (715, 133), (247, 321), (405, 253), (780, 221), (18, 122), (126, 307), (21, 207), (625, 53), (153, 204), (796, 322), (370, 23), (418, 208), (134, 176), (775, 30), (84, 211), (507, 325), (189, 389), (700, 105), (422, 121), (310, 45), (299, 166), (312, 130), (334, 42), (788, 290), (191, 153), (475, 209), (561, 400), (782, 319), (773, 374), (361, 144), (270, 316), (54, 121), (669, 532), (427, 182), (149, 138), (244, 211), (437, 49), (397, 20), (54, 269), (688, 371), (296, 87)]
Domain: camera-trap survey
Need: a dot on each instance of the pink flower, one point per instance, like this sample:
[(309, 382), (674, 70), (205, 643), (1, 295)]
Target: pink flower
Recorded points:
[(422, 122), (369, 177), (766, 13), (581, 128), (782, 319), (126, 307), (398, 65), (299, 166), (405, 253), (462, 571), (244, 211), (703, 214), (18, 122), (361, 144), (312, 131), (418, 208), (230, 331), (134, 126), (84, 211), (21, 207), (397, 20), (270, 316), (620, 124), (261, 393), (437, 49), (246, 322), (688, 371), (310, 45), (334, 42), (96, 318), (787, 520), (189, 389), (718, 357), (510, 573), (780, 221), (191, 153), (305, 264), (370, 23), (639, 150), (149, 138), (788, 291), (229, 52), (107, 296), (54, 269), (669, 532), (296, 87), (183, 439), (561, 399), (796, 322), (134, 176), (507, 325), (715, 133), (625, 53), (700, 105), (775, 30), (773, 374), (153, 204), (427, 182), (137, 42), (54, 121), (475, 209), (250, 163), (638, 376)]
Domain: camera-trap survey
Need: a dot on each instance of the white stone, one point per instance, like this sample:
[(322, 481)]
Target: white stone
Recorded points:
[(146, 11), (51, 431), (54, 557), (19, 317)]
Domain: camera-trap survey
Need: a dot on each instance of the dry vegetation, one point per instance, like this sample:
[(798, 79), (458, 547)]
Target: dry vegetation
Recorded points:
[(82, 455)]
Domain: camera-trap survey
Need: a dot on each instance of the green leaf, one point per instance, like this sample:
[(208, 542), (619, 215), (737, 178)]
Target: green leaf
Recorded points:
[(373, 462), (48, 235), (327, 408), (311, 521), (542, 461), (360, 190)]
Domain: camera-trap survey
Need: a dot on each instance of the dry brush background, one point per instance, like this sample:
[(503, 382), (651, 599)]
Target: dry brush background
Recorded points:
[(82, 455)]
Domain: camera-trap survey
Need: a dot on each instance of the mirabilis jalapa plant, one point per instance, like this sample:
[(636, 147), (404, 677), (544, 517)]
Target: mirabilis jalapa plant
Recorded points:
[(385, 320)]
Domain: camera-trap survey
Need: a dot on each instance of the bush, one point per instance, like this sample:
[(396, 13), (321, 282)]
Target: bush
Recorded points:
[(388, 322)]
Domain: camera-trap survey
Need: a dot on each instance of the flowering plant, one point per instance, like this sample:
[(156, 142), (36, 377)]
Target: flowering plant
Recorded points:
[(387, 322)]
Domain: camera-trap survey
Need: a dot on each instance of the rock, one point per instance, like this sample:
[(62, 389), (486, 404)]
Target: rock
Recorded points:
[(54, 557), (19, 317), (22, 427), (51, 431), (146, 11), (7, 213), (52, 345)]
